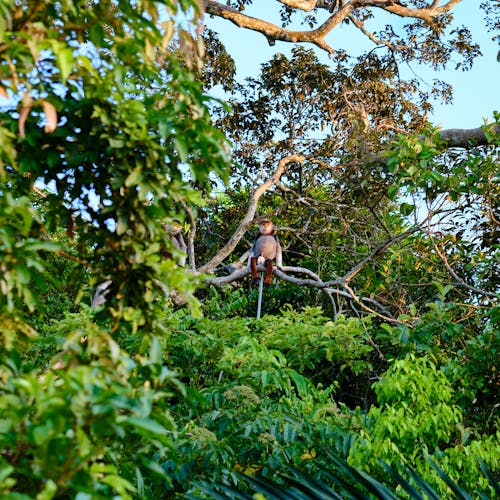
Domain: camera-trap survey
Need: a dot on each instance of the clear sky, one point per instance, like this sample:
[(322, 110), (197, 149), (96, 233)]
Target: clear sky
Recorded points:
[(476, 92)]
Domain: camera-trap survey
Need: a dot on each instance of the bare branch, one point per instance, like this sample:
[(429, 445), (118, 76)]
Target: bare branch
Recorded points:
[(343, 289), (466, 138), (317, 36), (249, 216), (269, 30)]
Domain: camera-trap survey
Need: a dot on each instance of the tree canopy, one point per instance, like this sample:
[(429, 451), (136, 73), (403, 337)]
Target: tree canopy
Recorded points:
[(425, 36)]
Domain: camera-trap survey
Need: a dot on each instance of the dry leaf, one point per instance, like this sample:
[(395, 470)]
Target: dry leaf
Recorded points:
[(25, 111), (3, 92), (50, 115)]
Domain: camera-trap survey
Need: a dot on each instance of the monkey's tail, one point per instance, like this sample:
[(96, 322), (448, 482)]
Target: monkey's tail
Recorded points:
[(259, 300)]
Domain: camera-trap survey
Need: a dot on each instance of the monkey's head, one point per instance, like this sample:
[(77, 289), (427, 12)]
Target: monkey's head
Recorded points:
[(173, 227), (266, 227)]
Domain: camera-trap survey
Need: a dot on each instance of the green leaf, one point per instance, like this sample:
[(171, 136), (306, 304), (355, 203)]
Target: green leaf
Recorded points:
[(97, 35), (392, 192), (406, 208), (460, 494), (64, 58), (134, 178), (145, 424), (48, 492)]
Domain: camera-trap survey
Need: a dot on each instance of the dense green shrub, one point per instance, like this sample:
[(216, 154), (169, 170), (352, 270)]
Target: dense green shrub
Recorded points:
[(92, 419), (417, 413)]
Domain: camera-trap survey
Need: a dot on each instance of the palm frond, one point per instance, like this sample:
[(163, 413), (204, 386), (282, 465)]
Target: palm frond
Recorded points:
[(341, 481)]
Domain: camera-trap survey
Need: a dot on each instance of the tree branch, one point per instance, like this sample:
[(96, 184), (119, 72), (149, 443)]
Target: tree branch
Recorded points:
[(316, 36), (315, 281), (273, 32), (466, 138), (210, 266)]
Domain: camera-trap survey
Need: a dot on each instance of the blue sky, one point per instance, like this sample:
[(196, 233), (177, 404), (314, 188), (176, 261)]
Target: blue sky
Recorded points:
[(476, 92)]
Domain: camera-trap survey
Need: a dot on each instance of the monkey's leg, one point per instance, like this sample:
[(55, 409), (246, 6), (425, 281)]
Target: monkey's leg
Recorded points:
[(269, 272), (253, 268)]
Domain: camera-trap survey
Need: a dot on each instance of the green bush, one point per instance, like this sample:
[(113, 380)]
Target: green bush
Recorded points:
[(417, 414), (94, 420)]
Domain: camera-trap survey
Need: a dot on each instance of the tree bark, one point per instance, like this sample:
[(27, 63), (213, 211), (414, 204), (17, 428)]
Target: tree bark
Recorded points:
[(466, 138)]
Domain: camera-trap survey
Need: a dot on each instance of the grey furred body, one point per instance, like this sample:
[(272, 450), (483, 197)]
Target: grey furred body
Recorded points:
[(179, 244), (267, 247)]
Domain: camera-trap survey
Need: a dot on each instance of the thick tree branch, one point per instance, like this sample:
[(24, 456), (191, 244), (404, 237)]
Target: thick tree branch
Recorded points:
[(466, 138), (425, 13), (343, 289), (269, 30), (210, 266), (317, 36)]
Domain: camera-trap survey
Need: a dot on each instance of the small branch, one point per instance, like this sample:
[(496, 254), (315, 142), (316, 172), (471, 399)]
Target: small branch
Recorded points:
[(72, 257), (455, 276), (371, 36), (378, 251), (39, 192), (369, 309)]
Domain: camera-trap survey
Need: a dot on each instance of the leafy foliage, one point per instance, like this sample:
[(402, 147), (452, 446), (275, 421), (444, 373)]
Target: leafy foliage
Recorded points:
[(341, 481), (130, 120), (89, 418)]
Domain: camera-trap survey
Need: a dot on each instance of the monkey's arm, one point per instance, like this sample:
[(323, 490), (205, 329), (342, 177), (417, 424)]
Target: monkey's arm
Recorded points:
[(181, 242), (279, 254), (253, 250)]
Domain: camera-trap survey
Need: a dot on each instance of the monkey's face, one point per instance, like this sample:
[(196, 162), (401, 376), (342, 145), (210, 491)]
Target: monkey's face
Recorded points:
[(173, 229), (266, 227)]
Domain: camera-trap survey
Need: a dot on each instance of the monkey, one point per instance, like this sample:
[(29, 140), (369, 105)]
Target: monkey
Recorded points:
[(265, 249), (174, 231), (100, 294)]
